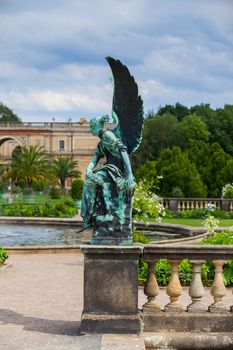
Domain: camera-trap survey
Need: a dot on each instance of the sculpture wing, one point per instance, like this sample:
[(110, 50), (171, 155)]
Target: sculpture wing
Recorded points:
[(127, 107)]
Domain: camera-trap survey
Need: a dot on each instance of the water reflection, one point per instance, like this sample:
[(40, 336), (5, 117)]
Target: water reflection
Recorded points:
[(24, 235)]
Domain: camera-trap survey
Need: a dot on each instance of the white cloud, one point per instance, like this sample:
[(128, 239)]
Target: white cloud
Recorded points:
[(52, 53)]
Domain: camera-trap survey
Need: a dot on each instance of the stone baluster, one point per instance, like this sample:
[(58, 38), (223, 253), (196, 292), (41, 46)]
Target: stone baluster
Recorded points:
[(174, 289), (182, 205), (192, 205), (179, 205), (196, 289), (218, 289), (231, 205), (151, 289)]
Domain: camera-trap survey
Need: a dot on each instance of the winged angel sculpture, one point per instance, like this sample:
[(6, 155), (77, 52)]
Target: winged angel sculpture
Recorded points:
[(108, 190)]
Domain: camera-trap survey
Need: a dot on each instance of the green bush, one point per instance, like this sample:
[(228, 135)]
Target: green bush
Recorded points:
[(140, 237), (77, 189), (199, 214), (177, 192), (222, 238), (55, 193), (193, 214), (3, 255), (142, 272), (69, 201)]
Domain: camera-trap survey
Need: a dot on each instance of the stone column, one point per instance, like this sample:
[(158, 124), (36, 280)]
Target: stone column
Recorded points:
[(174, 289), (111, 289), (196, 290), (218, 289), (151, 290)]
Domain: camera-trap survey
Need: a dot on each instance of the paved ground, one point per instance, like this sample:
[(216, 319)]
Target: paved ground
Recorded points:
[(41, 305)]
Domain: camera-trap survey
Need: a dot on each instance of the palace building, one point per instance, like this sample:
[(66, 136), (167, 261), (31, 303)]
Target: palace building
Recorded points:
[(57, 138)]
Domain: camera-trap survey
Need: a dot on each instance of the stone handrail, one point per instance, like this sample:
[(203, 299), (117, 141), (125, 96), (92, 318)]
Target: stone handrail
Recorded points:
[(197, 255), (180, 204)]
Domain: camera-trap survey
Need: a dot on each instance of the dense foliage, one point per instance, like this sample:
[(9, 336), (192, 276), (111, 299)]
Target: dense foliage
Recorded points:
[(7, 115), (41, 206), (147, 204), (3, 255), (77, 189), (191, 148), (63, 168), (31, 165)]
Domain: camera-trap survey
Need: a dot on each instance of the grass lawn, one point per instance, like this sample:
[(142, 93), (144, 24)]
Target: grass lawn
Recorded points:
[(194, 222)]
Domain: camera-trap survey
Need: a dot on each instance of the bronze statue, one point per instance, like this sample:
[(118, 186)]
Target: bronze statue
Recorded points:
[(108, 190)]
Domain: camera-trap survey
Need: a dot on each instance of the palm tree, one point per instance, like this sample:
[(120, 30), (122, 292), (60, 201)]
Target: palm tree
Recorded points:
[(31, 165), (64, 167)]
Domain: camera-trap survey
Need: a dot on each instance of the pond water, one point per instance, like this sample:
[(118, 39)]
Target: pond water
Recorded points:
[(25, 235), (42, 235)]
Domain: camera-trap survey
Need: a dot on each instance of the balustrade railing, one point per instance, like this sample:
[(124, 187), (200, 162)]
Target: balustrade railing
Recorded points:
[(180, 204), (197, 255)]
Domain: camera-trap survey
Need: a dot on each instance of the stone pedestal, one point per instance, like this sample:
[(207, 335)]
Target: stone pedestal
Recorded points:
[(110, 289)]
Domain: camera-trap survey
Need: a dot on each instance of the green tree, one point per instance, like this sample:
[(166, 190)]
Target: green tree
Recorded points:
[(178, 110), (192, 134), (159, 132), (148, 173), (215, 167), (77, 189), (178, 171), (7, 115), (31, 166), (63, 168)]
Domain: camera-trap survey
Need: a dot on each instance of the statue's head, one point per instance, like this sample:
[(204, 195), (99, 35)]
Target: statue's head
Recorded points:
[(96, 124)]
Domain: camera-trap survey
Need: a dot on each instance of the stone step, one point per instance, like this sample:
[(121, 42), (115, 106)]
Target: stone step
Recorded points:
[(188, 340), (122, 342)]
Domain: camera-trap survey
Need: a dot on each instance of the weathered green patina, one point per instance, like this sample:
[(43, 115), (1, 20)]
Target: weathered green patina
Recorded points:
[(108, 190)]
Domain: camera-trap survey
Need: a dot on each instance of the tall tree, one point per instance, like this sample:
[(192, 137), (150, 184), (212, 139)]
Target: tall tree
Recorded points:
[(63, 168), (31, 165), (178, 171), (178, 110), (192, 134), (159, 133), (7, 115)]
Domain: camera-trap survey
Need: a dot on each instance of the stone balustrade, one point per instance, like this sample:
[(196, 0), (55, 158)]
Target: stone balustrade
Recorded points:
[(154, 316), (180, 204)]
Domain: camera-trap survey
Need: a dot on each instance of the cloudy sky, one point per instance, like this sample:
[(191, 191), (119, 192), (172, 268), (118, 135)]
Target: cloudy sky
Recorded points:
[(52, 54)]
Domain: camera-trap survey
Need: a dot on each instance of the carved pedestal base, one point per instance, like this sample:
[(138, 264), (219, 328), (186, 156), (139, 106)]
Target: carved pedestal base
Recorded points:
[(110, 289)]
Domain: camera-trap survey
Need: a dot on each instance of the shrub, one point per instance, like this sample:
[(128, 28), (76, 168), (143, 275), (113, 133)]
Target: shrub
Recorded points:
[(177, 192), (193, 214), (55, 193), (224, 237), (3, 186), (69, 202), (146, 204), (140, 237), (3, 255), (227, 191), (142, 272), (77, 189)]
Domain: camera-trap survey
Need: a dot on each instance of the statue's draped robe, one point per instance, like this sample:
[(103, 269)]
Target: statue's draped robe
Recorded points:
[(108, 207)]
